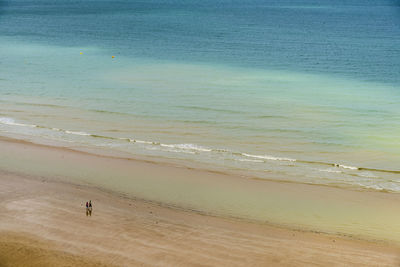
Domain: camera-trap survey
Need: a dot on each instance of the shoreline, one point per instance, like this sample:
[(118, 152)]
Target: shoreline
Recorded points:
[(178, 163), (44, 223), (289, 205), (367, 177)]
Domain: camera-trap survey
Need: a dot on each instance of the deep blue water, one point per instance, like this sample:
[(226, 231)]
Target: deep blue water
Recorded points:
[(359, 39)]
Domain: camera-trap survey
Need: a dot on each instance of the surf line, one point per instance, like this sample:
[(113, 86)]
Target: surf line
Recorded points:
[(261, 158)]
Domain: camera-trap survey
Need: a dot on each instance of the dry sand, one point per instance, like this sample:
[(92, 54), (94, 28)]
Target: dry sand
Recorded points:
[(43, 223)]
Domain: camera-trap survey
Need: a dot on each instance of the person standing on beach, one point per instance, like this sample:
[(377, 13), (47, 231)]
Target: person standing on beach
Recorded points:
[(87, 208), (90, 208)]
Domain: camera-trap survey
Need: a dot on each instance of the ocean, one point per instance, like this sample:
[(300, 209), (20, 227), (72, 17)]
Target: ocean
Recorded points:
[(295, 90)]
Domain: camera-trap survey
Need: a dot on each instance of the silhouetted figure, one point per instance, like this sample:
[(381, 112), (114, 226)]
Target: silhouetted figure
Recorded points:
[(90, 208), (87, 208)]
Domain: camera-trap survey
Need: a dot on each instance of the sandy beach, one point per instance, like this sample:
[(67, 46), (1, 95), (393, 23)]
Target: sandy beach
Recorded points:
[(43, 223), (204, 133)]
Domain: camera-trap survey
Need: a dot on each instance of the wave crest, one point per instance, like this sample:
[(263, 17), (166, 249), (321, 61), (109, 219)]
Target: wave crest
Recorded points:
[(10, 121), (267, 157)]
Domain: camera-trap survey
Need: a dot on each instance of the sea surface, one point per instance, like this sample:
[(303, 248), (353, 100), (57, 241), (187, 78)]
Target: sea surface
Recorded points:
[(300, 91)]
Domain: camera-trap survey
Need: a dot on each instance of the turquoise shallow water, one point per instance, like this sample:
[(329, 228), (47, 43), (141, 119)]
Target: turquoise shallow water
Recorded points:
[(293, 90)]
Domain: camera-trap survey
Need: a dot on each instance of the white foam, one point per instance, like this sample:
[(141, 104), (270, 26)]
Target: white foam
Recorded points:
[(191, 147), (77, 133), (345, 167), (267, 157), (10, 121), (251, 160), (5, 120), (141, 142)]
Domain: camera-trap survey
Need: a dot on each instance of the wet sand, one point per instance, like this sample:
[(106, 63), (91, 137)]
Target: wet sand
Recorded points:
[(370, 215), (43, 223)]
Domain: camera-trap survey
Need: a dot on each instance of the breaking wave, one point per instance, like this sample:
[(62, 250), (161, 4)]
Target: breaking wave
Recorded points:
[(221, 152)]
